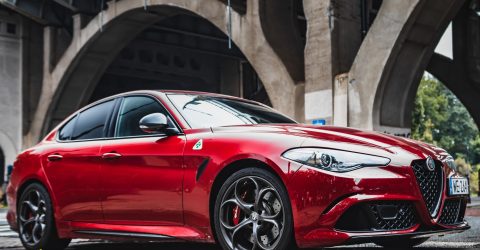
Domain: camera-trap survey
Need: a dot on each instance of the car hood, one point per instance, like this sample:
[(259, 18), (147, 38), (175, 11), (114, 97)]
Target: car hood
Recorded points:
[(345, 138)]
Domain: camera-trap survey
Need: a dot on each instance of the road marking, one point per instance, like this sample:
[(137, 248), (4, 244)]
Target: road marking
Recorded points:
[(5, 231)]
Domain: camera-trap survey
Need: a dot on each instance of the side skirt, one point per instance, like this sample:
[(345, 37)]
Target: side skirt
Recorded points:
[(170, 233), (127, 235)]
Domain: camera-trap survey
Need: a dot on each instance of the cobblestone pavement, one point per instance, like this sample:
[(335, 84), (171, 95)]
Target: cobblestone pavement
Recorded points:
[(466, 240)]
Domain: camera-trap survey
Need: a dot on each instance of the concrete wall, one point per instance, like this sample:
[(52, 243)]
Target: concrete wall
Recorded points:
[(10, 85)]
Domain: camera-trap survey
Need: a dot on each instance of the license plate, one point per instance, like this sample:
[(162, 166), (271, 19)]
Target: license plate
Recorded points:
[(458, 186)]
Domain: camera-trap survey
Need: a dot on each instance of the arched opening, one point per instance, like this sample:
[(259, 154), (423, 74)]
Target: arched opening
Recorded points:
[(183, 52), (401, 74), (163, 48), (445, 111), (440, 118)]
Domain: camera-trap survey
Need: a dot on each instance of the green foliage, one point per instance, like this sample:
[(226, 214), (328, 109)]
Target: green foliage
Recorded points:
[(440, 118), (474, 188), (463, 167)]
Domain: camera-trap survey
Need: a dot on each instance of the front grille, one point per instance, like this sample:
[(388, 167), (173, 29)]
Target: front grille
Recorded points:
[(430, 183), (405, 217), (378, 216), (453, 212)]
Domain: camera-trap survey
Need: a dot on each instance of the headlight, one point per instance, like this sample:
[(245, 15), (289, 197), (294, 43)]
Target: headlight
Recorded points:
[(451, 163), (334, 160)]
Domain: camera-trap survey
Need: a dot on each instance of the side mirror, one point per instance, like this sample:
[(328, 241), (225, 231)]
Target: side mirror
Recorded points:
[(153, 123)]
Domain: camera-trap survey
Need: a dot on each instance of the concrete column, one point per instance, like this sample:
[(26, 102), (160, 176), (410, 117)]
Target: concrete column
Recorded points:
[(372, 60), (318, 61), (333, 38), (32, 72), (10, 85), (47, 91)]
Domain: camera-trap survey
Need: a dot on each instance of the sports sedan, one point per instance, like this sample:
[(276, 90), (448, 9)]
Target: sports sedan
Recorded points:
[(190, 166)]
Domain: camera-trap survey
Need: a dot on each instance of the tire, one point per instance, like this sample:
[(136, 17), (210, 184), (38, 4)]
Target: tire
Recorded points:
[(35, 220), (401, 243), (253, 200)]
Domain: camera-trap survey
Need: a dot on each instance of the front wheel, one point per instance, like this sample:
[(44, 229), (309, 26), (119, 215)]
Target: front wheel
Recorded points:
[(252, 211), (35, 220)]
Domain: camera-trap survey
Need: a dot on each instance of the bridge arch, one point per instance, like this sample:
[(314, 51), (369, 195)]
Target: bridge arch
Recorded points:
[(71, 81), (384, 78)]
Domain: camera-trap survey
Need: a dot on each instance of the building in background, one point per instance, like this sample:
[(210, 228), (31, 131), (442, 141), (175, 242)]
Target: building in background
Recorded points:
[(351, 63)]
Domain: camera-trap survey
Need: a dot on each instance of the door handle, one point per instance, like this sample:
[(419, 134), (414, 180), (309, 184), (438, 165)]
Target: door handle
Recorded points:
[(54, 157), (111, 155)]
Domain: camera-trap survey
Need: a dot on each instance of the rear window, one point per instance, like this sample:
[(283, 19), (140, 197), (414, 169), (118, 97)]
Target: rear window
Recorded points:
[(90, 123), (66, 131)]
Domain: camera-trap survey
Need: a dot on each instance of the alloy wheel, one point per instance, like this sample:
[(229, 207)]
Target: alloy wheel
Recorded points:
[(252, 214), (32, 217)]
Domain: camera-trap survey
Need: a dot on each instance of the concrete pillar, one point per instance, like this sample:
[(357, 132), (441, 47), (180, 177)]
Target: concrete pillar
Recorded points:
[(47, 91), (10, 85), (377, 50), (32, 72), (318, 66), (333, 38)]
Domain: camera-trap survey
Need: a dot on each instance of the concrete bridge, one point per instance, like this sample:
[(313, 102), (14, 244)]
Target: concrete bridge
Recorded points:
[(351, 63)]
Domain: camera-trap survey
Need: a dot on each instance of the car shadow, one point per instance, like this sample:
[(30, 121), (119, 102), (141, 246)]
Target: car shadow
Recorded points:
[(196, 246)]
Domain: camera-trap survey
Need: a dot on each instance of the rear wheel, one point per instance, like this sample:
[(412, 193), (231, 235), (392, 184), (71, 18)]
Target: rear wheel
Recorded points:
[(35, 220), (402, 243), (252, 211)]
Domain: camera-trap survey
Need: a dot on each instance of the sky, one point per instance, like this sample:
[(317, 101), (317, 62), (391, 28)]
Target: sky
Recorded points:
[(444, 47)]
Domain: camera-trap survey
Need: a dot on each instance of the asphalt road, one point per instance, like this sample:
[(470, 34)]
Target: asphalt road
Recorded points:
[(466, 240)]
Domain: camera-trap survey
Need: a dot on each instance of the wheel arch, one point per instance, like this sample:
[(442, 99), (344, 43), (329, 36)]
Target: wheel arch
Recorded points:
[(27, 183), (18, 192), (44, 182)]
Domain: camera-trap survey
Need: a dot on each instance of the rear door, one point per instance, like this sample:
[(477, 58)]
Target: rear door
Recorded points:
[(73, 164), (142, 173)]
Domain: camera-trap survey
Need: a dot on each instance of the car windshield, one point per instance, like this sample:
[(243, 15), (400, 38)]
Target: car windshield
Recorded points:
[(202, 111)]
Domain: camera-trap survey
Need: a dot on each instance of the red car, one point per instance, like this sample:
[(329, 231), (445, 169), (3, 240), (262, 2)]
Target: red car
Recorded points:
[(190, 166)]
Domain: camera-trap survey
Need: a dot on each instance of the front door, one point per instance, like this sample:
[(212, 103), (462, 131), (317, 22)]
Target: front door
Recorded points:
[(142, 173)]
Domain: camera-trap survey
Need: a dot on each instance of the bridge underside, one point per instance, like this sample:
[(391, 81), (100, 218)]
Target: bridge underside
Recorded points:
[(348, 63)]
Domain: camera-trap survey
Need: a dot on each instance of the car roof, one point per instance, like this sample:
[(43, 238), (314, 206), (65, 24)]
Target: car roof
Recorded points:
[(188, 92), (166, 92)]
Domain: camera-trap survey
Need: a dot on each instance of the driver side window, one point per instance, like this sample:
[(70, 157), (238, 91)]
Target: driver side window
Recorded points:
[(133, 109)]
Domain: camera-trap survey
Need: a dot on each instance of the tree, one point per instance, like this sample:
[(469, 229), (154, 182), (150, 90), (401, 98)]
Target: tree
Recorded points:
[(440, 118), (474, 188)]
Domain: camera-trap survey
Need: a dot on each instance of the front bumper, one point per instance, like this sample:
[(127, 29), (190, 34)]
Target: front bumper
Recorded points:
[(320, 199), (359, 239)]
